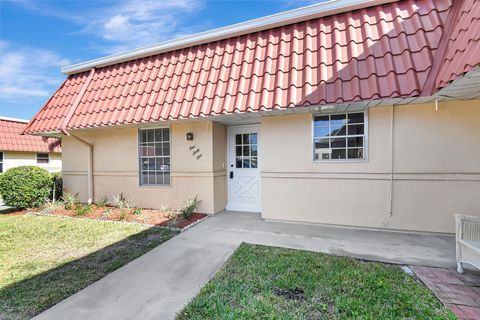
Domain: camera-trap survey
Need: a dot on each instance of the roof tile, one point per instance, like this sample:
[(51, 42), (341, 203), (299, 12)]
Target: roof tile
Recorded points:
[(373, 53), (11, 139), (463, 48)]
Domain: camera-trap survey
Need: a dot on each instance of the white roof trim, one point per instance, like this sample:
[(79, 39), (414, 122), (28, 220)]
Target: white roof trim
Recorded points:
[(14, 119), (301, 14)]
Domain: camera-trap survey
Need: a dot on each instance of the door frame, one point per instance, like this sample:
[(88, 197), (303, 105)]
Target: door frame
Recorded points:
[(230, 157)]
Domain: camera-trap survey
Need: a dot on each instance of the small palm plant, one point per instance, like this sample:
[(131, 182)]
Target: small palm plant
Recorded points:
[(69, 200), (191, 205)]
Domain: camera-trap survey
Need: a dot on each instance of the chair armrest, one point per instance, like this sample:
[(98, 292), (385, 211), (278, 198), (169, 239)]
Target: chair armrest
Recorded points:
[(467, 227)]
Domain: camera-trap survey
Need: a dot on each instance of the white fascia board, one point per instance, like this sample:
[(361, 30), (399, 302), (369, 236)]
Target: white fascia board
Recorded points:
[(288, 17), (14, 119)]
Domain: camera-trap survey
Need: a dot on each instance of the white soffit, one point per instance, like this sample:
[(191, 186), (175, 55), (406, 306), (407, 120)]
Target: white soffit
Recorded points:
[(466, 87)]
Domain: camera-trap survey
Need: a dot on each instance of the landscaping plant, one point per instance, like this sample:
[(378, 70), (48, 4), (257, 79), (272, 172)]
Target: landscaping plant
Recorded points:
[(103, 203), (191, 205), (25, 186), (50, 206), (123, 214), (83, 209), (174, 216), (69, 200)]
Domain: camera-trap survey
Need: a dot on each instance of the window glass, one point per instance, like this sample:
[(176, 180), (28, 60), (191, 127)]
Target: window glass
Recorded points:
[(246, 150), (43, 158), (339, 136), (1, 162), (154, 154)]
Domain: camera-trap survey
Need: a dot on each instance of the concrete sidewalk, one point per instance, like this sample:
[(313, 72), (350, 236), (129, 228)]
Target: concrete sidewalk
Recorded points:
[(158, 284)]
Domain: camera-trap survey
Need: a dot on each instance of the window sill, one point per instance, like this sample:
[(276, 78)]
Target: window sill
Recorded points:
[(155, 186), (340, 161)]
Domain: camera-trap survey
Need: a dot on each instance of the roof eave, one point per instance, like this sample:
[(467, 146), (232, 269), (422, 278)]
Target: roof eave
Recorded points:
[(272, 21), (54, 134), (13, 119)]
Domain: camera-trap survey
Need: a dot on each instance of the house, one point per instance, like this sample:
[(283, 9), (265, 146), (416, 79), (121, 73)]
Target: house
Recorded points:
[(26, 150), (348, 112)]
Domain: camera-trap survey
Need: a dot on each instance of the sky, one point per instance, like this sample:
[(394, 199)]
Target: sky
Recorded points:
[(38, 37)]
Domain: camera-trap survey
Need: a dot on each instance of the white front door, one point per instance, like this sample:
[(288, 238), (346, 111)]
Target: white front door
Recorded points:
[(243, 168)]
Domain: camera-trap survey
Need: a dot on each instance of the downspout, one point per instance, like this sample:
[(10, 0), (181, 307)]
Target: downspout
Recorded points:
[(68, 117), (390, 195)]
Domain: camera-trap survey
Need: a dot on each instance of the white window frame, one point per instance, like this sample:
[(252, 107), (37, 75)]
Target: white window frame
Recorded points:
[(48, 158), (2, 158), (365, 137), (139, 157)]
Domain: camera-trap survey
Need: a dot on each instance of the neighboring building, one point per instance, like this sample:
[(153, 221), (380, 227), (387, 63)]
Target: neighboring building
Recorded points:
[(358, 113), (26, 150)]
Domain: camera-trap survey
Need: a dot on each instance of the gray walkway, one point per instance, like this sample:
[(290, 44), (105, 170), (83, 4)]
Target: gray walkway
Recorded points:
[(158, 284)]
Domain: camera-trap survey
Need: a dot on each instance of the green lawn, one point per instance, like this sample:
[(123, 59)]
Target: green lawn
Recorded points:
[(260, 282), (46, 259)]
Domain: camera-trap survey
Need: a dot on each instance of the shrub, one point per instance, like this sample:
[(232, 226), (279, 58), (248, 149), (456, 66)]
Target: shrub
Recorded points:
[(190, 206), (25, 186), (69, 200), (57, 190), (137, 211)]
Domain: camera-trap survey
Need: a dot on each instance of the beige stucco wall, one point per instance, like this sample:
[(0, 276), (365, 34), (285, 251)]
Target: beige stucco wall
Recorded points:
[(13, 159), (436, 170), (116, 166)]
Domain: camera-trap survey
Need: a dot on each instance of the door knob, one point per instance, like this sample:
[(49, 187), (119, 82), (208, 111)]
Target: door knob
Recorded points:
[(231, 174)]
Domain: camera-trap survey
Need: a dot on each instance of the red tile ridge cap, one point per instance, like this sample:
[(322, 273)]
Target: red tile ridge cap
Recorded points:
[(76, 102), (429, 87)]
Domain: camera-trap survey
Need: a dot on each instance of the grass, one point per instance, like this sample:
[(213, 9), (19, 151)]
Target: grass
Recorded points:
[(260, 282), (44, 259)]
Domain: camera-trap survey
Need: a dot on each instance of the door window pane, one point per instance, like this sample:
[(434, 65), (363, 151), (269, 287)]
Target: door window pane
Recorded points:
[(246, 150), (238, 139), (253, 138), (238, 162), (253, 163)]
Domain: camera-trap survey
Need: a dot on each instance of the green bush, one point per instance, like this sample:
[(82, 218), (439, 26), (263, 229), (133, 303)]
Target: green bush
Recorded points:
[(26, 186)]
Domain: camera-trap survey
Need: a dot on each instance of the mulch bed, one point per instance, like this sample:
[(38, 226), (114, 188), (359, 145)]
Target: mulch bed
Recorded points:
[(146, 216)]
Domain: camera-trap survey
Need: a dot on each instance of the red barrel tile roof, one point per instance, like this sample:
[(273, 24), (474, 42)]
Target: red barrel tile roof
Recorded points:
[(12, 140), (381, 52)]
